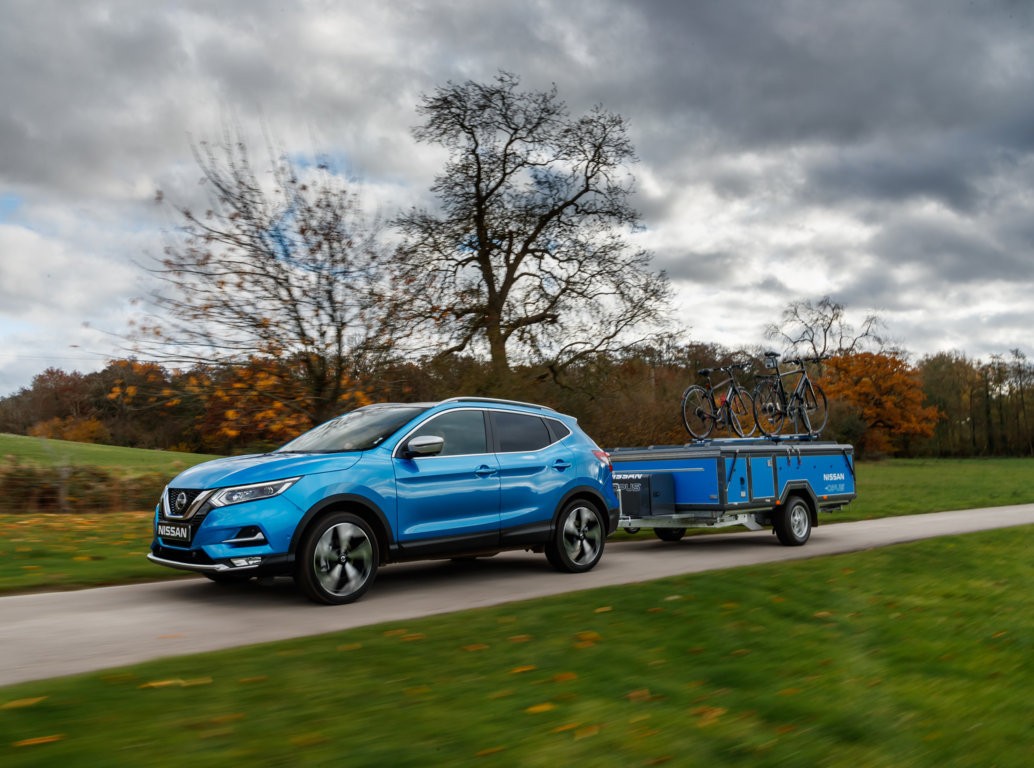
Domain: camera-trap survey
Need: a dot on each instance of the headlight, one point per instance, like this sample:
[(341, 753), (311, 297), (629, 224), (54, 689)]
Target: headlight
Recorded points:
[(242, 493)]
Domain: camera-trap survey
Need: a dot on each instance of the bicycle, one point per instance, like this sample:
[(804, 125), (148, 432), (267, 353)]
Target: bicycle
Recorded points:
[(702, 413), (805, 404)]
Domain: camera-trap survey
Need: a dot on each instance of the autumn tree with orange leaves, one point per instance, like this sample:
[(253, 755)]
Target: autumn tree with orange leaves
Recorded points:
[(256, 405), (885, 393)]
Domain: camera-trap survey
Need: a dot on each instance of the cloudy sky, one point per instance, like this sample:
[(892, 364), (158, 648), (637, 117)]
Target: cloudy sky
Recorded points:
[(879, 152)]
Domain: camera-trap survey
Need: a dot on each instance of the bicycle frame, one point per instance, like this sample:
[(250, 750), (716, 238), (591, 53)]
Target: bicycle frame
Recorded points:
[(793, 401), (719, 399)]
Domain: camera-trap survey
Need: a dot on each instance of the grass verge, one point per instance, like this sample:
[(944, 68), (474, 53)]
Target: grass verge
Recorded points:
[(71, 551), (916, 655), (65, 551), (130, 461)]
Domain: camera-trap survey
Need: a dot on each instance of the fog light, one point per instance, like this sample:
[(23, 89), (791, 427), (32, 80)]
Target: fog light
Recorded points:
[(245, 562)]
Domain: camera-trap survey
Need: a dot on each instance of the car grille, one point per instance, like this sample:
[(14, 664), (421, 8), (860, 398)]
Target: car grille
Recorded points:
[(169, 510)]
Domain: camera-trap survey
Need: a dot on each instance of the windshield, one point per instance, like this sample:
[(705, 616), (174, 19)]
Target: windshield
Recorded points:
[(358, 430)]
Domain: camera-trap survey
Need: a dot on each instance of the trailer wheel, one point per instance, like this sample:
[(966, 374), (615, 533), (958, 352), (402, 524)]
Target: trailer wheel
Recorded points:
[(792, 523), (669, 534), (632, 531)]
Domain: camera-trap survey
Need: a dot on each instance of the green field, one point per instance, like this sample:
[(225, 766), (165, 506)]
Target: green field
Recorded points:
[(49, 453), (914, 655), (67, 551), (911, 655)]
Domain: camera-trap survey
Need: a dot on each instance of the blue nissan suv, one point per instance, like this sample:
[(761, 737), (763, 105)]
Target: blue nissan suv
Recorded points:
[(391, 482)]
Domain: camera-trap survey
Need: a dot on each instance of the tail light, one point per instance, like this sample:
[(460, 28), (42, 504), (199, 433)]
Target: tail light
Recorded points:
[(604, 457)]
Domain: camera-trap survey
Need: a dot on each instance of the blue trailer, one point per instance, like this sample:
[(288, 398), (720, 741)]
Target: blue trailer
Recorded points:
[(753, 482)]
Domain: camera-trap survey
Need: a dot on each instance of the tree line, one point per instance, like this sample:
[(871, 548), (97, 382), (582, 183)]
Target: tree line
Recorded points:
[(944, 405)]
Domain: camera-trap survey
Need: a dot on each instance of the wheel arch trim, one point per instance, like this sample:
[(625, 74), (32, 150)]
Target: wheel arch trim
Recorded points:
[(360, 505)]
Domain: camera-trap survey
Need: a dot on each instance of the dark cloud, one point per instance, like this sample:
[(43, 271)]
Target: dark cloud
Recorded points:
[(878, 152)]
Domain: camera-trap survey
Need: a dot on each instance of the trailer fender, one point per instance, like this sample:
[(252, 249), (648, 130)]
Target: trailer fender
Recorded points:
[(803, 489)]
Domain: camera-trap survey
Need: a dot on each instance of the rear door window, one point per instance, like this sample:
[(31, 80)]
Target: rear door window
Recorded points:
[(519, 432)]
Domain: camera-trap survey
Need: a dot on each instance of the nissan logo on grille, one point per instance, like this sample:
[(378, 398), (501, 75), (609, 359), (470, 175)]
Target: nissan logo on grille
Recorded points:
[(181, 503)]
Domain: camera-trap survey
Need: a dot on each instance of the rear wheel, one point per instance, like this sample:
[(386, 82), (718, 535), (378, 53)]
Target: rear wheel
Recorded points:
[(669, 534), (768, 408), (793, 522), (337, 560), (697, 412), (577, 543)]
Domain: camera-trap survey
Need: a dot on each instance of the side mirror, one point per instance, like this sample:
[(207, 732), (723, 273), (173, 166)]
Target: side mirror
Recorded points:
[(424, 445)]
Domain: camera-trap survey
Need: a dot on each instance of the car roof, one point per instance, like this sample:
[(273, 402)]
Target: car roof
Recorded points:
[(495, 401)]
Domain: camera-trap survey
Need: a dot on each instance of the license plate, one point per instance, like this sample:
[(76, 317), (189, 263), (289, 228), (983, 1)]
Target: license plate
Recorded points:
[(179, 532)]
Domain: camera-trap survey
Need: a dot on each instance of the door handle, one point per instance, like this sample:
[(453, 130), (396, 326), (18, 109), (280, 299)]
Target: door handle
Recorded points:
[(561, 464), (484, 471)]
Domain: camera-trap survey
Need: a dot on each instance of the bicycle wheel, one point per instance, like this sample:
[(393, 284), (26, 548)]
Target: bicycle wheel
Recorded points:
[(815, 410), (697, 412), (741, 414), (768, 408)]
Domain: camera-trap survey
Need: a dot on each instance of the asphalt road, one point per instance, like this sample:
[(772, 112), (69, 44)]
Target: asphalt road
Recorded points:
[(62, 633)]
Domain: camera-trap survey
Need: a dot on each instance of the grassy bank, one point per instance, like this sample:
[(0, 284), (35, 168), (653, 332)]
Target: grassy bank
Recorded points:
[(914, 655), (65, 551), (43, 452)]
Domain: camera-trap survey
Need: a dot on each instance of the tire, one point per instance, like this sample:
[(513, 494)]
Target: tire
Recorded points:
[(741, 414), (577, 542), (698, 414), (669, 534), (768, 409), (337, 560), (792, 523), (632, 531), (816, 409)]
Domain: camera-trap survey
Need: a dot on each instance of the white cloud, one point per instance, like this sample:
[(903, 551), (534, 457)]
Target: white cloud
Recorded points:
[(881, 152)]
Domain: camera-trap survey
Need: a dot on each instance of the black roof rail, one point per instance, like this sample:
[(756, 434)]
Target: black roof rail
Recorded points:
[(497, 400)]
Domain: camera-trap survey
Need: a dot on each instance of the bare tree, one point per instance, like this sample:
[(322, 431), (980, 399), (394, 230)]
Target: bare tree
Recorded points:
[(527, 257), (820, 328), (282, 267)]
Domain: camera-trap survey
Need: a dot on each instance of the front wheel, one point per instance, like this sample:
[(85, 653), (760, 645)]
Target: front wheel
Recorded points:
[(337, 560), (793, 522), (816, 409), (577, 542), (698, 414), (741, 414)]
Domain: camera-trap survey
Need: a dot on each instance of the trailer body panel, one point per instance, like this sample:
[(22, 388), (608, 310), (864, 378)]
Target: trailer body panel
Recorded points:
[(725, 482)]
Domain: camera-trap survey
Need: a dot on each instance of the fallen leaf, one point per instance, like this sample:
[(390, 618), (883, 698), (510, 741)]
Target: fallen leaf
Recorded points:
[(538, 708), (39, 740), (566, 727), (19, 703)]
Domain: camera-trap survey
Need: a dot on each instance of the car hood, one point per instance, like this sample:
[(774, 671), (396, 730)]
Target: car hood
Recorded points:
[(258, 468)]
